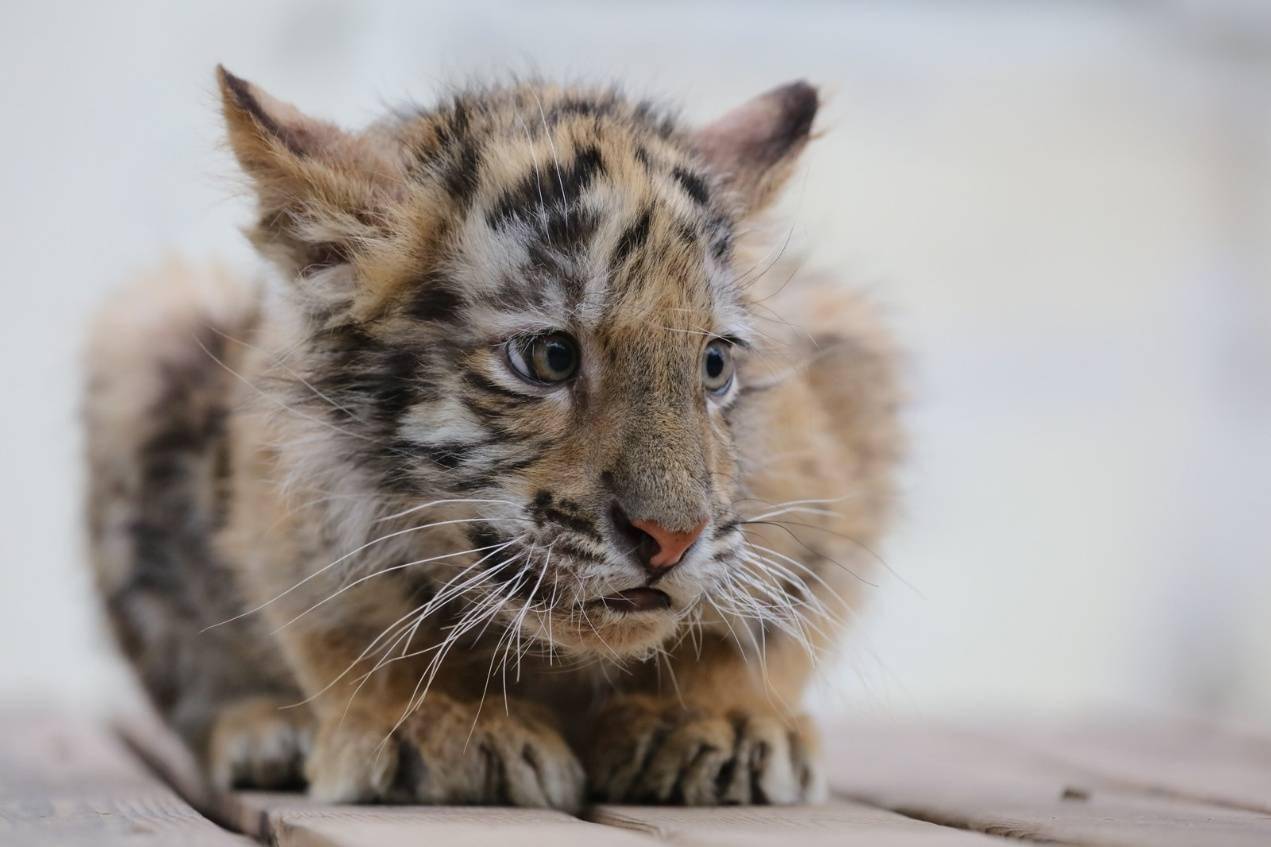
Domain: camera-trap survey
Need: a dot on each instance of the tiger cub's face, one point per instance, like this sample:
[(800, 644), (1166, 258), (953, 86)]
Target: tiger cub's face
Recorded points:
[(526, 301)]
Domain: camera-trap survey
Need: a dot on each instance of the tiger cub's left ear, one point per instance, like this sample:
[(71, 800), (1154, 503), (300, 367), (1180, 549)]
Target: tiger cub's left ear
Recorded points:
[(320, 188), (753, 148)]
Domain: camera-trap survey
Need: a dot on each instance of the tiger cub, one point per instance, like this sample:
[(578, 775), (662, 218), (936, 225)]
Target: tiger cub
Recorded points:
[(526, 473)]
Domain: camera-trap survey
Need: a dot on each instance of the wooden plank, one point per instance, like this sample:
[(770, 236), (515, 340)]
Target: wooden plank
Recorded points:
[(292, 820), (453, 826), (836, 824), (1187, 759), (977, 782), (65, 782)]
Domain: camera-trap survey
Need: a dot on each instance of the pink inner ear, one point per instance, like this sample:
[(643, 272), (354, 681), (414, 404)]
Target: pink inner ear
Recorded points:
[(763, 129)]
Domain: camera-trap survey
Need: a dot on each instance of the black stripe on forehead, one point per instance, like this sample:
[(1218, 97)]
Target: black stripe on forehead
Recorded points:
[(462, 175), (567, 230), (633, 238), (454, 155), (654, 118), (547, 186), (573, 106)]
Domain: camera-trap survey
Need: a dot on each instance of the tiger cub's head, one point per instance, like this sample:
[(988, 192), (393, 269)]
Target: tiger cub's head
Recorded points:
[(529, 301)]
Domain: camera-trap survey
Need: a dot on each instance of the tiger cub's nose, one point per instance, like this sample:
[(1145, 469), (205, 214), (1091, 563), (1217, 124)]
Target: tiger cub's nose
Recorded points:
[(671, 545), (657, 548)]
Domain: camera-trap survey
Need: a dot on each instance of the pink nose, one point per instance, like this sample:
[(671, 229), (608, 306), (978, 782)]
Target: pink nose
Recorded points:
[(671, 545)]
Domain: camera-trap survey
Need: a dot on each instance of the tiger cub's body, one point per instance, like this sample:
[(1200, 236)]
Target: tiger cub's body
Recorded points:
[(523, 477)]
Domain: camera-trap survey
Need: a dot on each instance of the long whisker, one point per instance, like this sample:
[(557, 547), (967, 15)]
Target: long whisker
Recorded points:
[(393, 627), (382, 572), (352, 553), (445, 501)]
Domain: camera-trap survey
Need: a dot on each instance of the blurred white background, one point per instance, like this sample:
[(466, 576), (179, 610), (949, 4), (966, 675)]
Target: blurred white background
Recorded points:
[(1066, 208)]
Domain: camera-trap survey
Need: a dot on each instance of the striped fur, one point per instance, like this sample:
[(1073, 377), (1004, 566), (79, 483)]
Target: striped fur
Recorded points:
[(334, 488)]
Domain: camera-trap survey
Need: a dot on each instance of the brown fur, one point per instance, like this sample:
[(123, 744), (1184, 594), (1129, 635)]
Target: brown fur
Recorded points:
[(333, 490)]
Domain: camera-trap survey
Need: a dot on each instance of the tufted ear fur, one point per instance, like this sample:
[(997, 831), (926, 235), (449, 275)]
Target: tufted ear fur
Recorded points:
[(753, 148), (321, 190)]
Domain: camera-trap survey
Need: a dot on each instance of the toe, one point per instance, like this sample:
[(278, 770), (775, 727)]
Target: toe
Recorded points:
[(687, 763)]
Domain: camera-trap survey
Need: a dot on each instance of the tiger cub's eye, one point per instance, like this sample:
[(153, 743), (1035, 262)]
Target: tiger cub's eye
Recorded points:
[(717, 366), (548, 358)]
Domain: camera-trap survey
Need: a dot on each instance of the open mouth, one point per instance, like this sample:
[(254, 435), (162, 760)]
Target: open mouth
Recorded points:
[(635, 600)]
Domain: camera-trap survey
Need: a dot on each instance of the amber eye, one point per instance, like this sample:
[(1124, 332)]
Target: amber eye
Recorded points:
[(717, 366), (548, 358)]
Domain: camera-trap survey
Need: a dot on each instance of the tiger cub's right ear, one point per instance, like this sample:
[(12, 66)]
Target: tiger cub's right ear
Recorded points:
[(320, 189), (753, 148)]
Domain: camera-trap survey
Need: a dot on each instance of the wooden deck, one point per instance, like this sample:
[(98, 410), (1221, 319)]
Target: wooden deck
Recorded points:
[(70, 783)]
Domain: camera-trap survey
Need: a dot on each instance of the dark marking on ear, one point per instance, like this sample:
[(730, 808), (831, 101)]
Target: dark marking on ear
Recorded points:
[(241, 91), (799, 102), (752, 148), (692, 184), (632, 239)]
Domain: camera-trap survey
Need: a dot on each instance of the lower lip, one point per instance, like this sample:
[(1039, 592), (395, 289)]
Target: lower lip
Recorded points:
[(635, 600)]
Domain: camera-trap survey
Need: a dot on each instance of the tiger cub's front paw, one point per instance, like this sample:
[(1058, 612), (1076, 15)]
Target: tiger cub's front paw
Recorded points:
[(259, 743), (444, 754), (646, 750)]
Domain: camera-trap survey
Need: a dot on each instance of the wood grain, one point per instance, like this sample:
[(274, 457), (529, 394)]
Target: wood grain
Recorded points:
[(978, 782), (837, 824), (70, 783), (1185, 759)]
